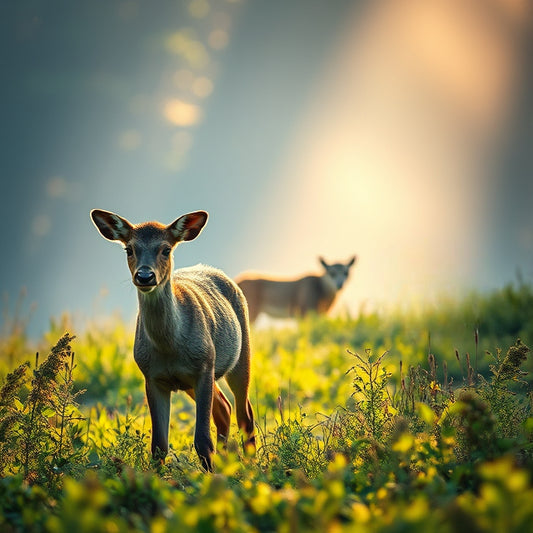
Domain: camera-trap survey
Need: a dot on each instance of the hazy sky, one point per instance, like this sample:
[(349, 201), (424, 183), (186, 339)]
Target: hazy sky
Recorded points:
[(399, 131)]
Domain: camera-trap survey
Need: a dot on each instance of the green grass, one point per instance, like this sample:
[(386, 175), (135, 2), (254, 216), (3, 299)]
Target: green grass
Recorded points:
[(416, 419)]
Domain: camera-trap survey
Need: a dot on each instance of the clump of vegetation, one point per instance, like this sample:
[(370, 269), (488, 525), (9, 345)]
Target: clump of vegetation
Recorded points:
[(42, 431), (419, 437), (372, 407)]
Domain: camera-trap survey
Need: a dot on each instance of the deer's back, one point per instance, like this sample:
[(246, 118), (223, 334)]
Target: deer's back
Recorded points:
[(209, 287), (215, 308)]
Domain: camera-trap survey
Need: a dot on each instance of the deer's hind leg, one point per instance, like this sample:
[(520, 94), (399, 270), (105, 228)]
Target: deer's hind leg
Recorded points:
[(221, 413), (239, 380)]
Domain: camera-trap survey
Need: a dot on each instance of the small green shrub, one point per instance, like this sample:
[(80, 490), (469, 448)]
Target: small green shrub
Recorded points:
[(42, 434)]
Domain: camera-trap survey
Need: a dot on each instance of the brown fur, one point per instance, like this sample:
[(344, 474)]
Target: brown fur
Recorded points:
[(294, 298), (192, 329)]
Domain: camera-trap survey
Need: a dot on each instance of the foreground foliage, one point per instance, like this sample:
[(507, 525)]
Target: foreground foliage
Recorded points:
[(385, 422)]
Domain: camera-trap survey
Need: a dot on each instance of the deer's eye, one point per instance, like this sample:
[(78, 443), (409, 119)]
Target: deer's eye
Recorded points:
[(166, 251), (129, 251)]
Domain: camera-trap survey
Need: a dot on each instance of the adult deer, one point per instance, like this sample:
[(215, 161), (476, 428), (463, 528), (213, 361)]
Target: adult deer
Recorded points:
[(294, 298), (192, 329)]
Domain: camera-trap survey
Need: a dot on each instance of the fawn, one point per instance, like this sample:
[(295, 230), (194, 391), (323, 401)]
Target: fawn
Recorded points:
[(192, 329)]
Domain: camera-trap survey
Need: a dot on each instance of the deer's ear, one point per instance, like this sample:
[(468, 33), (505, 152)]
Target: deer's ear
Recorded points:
[(352, 261), (111, 226), (187, 227)]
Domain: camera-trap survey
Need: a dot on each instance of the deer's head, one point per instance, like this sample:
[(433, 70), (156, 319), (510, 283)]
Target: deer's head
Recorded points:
[(149, 245)]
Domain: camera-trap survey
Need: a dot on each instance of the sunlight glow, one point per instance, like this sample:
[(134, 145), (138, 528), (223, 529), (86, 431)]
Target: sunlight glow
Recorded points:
[(516, 10), (464, 57), (393, 159)]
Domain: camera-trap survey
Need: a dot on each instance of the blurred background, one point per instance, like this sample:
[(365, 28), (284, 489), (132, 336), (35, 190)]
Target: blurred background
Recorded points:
[(400, 131)]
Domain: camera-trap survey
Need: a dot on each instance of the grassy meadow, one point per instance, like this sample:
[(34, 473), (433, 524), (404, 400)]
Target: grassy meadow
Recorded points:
[(396, 420)]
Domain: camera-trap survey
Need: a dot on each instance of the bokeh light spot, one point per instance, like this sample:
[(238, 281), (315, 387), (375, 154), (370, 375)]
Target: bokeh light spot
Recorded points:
[(56, 187), (199, 8), (41, 225), (181, 113), (174, 161), (218, 39), (202, 87), (184, 44)]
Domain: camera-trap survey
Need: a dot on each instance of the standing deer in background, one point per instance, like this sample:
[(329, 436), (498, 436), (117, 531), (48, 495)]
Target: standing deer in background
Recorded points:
[(192, 329), (295, 298)]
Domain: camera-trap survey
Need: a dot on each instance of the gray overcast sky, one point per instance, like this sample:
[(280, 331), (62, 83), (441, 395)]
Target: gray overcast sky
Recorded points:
[(393, 130)]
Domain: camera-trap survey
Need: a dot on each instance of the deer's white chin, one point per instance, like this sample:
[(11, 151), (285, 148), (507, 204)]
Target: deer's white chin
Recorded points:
[(146, 289)]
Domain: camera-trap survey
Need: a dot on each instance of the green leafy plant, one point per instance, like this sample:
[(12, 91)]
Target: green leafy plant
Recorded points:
[(42, 432), (293, 447), (373, 406), (502, 392)]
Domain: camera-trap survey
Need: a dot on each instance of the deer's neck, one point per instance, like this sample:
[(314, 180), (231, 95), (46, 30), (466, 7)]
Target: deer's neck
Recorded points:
[(328, 286), (159, 315), (329, 293)]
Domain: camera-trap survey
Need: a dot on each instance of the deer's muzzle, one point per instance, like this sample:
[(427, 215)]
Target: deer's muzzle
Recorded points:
[(144, 278)]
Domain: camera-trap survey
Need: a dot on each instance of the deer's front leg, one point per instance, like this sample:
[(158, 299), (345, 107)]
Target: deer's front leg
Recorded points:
[(159, 404), (203, 392)]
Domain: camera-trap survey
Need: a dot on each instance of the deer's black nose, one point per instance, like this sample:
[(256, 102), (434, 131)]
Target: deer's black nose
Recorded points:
[(145, 277)]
